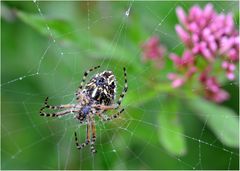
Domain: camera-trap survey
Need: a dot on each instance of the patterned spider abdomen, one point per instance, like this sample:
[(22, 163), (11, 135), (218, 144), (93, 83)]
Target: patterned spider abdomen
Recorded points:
[(101, 89)]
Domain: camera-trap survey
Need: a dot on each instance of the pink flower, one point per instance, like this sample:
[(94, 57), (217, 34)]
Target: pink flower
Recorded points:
[(207, 33), (186, 60), (212, 89), (229, 46), (185, 64), (177, 81), (184, 36), (153, 50), (229, 68)]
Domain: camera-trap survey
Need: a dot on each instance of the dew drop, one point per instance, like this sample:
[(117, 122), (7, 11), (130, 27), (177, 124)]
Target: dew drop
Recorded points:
[(127, 12)]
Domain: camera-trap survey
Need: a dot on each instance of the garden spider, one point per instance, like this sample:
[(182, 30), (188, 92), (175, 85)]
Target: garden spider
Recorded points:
[(96, 97)]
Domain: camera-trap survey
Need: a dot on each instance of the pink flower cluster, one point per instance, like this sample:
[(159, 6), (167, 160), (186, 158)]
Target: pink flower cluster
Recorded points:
[(187, 65), (206, 33), (154, 51), (207, 36)]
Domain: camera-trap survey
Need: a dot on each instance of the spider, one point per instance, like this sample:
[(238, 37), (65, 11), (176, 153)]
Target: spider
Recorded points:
[(93, 99)]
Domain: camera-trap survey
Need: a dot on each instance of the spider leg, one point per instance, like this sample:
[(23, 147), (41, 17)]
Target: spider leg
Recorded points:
[(124, 90), (84, 79), (93, 140), (107, 118), (61, 113), (103, 107), (80, 146), (66, 106)]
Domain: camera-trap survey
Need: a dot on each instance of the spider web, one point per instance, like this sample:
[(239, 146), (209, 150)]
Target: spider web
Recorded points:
[(124, 143)]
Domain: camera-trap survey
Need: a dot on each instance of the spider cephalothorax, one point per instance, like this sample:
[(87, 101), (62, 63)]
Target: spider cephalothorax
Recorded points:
[(96, 97)]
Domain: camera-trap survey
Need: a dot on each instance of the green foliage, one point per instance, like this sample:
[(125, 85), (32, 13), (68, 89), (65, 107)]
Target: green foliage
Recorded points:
[(59, 28), (221, 120), (171, 134)]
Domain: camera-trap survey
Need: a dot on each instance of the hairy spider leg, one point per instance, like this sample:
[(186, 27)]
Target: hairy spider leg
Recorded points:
[(107, 118), (66, 106), (93, 140), (69, 108), (60, 113), (125, 88), (84, 79), (80, 146)]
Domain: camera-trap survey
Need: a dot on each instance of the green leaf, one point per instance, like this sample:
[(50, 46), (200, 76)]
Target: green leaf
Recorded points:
[(63, 30), (221, 120), (58, 28), (105, 49), (144, 94), (170, 128)]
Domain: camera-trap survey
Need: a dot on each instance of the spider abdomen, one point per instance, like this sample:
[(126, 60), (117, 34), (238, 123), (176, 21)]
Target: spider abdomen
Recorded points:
[(101, 89)]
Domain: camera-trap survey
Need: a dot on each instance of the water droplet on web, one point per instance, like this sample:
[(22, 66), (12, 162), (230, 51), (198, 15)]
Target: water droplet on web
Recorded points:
[(20, 78), (127, 12)]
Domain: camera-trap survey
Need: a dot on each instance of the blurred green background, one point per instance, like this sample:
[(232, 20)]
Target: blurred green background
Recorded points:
[(160, 128)]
